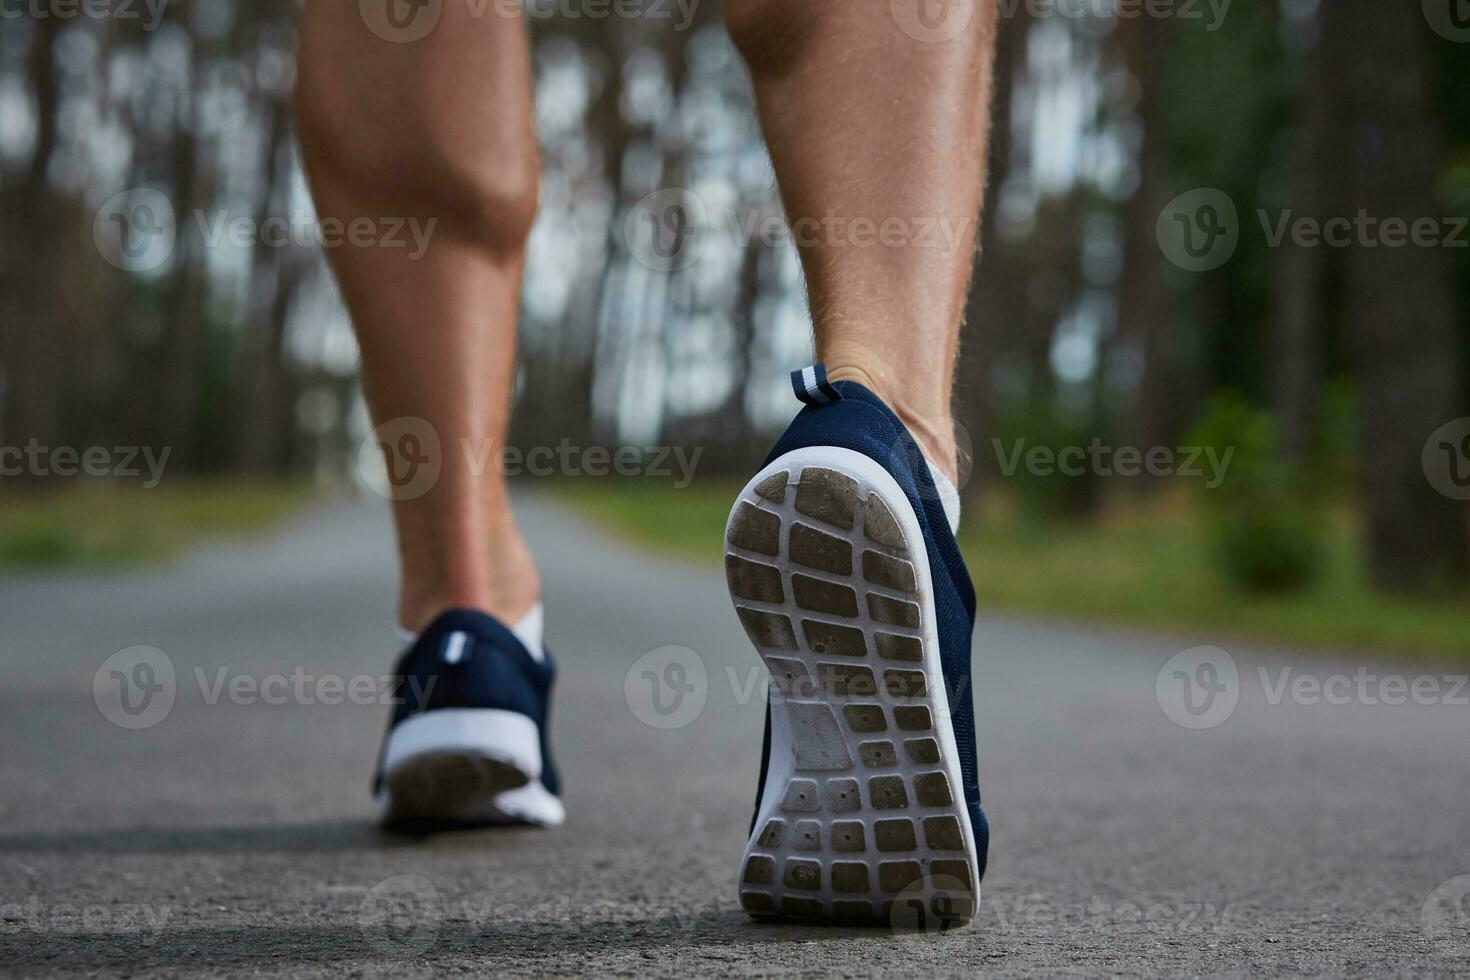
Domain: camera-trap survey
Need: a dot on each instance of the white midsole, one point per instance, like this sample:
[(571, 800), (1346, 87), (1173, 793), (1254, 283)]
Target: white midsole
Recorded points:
[(505, 736), (533, 803)]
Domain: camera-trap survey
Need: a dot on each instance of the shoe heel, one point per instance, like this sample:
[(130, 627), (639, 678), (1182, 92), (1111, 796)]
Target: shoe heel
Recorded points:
[(446, 767), (862, 818)]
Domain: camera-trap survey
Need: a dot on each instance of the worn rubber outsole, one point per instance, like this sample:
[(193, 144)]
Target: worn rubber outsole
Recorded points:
[(863, 818), (447, 791), (445, 769)]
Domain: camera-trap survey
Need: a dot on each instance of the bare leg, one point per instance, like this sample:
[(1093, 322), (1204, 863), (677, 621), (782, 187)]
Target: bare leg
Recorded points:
[(438, 129), (864, 121)]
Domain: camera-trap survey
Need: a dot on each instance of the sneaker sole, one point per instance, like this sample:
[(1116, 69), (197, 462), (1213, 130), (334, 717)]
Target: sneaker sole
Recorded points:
[(863, 817), (444, 769)]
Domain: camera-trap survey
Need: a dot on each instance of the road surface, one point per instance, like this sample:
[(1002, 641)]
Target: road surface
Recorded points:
[(231, 835)]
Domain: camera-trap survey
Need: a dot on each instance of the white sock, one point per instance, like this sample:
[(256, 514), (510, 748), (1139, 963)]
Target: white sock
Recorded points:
[(949, 496), (528, 630)]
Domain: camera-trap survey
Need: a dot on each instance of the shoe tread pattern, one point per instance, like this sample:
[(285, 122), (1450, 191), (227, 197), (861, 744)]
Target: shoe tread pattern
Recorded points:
[(824, 581)]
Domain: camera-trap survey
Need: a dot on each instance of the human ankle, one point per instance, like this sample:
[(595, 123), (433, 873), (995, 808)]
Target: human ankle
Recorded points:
[(936, 440), (416, 610), (932, 429), (504, 584)]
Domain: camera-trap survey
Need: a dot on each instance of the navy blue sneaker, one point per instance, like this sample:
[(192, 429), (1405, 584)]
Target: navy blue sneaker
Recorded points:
[(845, 573), (467, 744)]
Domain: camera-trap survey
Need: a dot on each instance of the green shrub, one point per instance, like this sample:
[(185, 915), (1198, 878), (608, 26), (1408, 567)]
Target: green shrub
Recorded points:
[(38, 542), (1047, 493), (1265, 528)]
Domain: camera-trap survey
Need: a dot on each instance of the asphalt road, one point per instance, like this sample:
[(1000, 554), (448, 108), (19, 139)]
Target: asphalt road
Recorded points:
[(232, 835)]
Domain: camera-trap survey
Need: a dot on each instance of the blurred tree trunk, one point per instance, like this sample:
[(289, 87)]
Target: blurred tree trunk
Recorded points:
[(1143, 314), (1296, 342), (559, 366), (264, 420), (179, 352), (611, 130), (31, 353), (997, 302), (733, 417), (1400, 310), (727, 424)]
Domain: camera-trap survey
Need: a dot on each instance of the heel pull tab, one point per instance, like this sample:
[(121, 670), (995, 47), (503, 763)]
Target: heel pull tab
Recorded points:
[(812, 387)]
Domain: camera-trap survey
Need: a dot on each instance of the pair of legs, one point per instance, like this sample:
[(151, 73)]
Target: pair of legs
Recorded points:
[(863, 120)]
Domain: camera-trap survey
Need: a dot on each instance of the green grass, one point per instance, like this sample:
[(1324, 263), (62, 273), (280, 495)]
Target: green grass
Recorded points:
[(1145, 565), (106, 524)]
